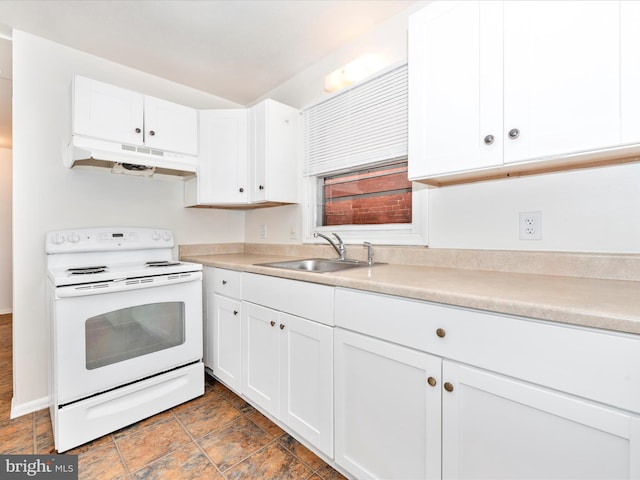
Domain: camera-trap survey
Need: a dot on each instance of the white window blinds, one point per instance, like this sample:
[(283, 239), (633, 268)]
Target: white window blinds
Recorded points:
[(365, 124)]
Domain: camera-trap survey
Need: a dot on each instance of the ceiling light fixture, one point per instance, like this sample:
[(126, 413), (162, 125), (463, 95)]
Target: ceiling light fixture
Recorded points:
[(352, 72)]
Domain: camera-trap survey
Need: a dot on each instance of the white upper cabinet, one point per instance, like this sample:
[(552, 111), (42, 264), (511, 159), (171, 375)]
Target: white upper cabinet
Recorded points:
[(247, 156), (222, 174), (498, 85), (275, 152), (107, 112), (116, 114), (169, 126), (561, 77), (455, 87), (630, 78)]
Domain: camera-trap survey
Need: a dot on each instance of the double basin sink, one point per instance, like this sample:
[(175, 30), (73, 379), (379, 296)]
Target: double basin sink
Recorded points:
[(317, 265)]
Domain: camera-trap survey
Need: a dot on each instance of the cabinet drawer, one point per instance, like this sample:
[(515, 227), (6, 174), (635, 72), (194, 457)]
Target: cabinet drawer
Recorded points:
[(307, 300), (227, 282), (595, 364), (411, 323)]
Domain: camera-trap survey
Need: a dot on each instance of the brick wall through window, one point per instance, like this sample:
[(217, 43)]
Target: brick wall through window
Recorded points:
[(373, 196)]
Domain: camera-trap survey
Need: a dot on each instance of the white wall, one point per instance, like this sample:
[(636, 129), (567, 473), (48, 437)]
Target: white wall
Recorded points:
[(590, 210), (5, 231), (48, 196)]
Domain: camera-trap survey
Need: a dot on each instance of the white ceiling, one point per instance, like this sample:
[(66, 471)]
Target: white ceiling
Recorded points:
[(236, 49)]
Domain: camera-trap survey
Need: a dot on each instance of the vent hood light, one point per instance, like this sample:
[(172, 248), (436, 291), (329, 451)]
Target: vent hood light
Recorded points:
[(128, 159)]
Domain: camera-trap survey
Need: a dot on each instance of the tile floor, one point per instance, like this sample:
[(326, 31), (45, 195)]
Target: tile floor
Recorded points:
[(216, 436)]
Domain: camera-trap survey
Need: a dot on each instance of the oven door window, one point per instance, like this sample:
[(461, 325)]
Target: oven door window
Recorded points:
[(133, 332)]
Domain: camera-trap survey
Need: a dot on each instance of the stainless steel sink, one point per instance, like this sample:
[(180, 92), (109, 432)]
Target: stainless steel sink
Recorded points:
[(318, 265)]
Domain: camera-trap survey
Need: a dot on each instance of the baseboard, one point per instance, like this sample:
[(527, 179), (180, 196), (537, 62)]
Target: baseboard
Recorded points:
[(6, 311), (29, 407)]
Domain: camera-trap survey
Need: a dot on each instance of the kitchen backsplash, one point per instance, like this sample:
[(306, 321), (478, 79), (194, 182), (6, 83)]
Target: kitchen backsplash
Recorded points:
[(588, 265)]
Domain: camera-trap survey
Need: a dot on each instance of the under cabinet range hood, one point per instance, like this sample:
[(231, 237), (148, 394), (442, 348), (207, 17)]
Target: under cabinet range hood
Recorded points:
[(124, 131), (128, 159)]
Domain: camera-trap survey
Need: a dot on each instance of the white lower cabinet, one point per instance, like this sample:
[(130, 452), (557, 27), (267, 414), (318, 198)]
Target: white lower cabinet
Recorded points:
[(423, 390), (430, 391), (495, 426), (288, 371), (261, 357), (280, 362), (223, 326), (387, 413), (227, 333)]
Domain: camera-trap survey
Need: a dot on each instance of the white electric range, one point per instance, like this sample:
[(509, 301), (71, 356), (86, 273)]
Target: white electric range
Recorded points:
[(125, 329)]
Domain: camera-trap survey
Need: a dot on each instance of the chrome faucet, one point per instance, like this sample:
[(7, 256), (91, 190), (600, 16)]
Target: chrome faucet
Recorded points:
[(369, 253), (340, 248)]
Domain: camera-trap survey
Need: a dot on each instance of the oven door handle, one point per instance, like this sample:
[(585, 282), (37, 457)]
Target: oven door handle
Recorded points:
[(126, 284)]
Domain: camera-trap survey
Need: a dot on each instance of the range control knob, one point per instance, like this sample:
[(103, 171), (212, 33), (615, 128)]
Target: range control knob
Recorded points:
[(166, 236), (73, 238), (57, 239), (156, 236)]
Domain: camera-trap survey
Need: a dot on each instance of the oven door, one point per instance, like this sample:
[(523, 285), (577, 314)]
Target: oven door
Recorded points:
[(102, 341)]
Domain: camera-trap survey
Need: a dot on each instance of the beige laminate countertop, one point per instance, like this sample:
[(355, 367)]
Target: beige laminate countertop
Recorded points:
[(589, 302)]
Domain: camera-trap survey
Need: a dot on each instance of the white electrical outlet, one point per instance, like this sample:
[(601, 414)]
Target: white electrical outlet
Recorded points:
[(293, 233), (530, 225), (263, 232)]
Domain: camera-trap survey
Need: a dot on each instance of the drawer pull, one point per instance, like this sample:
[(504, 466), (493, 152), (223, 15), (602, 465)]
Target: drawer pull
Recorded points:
[(440, 332), (235, 312), (431, 381), (224, 282), (272, 323), (282, 326), (448, 387)]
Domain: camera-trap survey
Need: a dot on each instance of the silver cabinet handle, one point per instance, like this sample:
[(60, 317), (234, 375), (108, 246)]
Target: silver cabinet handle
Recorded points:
[(514, 133), (489, 139)]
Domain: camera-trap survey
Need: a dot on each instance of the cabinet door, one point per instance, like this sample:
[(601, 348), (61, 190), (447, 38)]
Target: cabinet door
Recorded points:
[(630, 81), (497, 427), (306, 360), (455, 87), (226, 338), (260, 350), (561, 77), (222, 173), (169, 126), (387, 414), (275, 140), (107, 112)]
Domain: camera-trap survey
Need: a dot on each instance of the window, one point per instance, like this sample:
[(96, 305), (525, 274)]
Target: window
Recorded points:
[(356, 165), (369, 196)]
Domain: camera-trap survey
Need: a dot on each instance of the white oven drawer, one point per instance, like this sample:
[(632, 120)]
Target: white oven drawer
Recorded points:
[(91, 418)]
